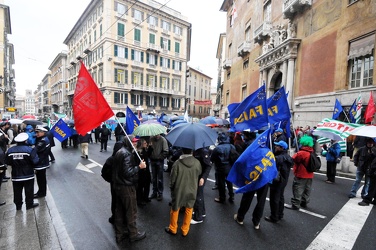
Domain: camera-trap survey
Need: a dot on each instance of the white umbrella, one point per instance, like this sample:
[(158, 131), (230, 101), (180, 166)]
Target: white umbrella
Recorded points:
[(327, 134), (15, 121), (367, 131)]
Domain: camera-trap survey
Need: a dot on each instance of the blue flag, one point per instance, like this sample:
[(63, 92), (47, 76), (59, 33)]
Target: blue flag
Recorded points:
[(337, 109), (160, 119), (61, 131), (278, 107), (131, 121), (251, 113), (255, 167), (352, 112)]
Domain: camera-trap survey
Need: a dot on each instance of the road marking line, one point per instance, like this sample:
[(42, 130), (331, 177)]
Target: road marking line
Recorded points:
[(343, 230), (82, 167), (96, 163), (91, 165), (300, 210)]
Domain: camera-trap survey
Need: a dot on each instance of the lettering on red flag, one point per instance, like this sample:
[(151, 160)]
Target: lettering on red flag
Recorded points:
[(90, 108)]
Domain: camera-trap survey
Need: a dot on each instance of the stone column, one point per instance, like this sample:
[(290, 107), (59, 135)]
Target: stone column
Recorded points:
[(284, 73), (290, 80)]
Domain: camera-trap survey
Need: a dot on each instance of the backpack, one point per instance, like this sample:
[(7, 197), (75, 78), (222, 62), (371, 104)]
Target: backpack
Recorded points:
[(314, 163)]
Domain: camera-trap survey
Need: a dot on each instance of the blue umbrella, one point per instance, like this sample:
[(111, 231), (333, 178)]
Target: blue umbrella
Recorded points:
[(192, 135), (208, 120), (178, 122)]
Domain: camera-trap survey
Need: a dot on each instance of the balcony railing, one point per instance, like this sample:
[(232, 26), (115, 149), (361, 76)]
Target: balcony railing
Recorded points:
[(153, 47), (244, 48), (262, 32), (291, 7), (155, 89)]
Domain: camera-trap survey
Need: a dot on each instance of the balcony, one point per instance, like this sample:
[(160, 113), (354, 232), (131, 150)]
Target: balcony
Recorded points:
[(261, 33), (165, 32), (153, 47), (244, 48), (227, 64), (152, 27), (291, 7)]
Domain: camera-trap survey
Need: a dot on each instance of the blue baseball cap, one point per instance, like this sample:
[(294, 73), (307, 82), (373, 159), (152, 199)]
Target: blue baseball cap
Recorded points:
[(281, 144), (279, 130)]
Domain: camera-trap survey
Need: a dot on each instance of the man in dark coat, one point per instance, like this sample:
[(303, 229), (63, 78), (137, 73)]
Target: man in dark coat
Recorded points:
[(104, 132), (125, 177), (362, 160), (183, 185), (22, 158), (221, 158), (284, 163), (371, 173), (203, 155), (84, 142), (42, 144), (50, 137)]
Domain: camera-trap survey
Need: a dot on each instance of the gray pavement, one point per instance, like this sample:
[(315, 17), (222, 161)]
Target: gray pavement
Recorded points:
[(42, 227)]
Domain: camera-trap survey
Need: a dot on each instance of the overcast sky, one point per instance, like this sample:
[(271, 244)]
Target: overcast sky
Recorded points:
[(39, 28)]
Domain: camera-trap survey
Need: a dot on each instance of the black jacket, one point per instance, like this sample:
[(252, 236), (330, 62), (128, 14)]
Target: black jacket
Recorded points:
[(43, 147), (22, 158), (363, 158), (203, 155), (284, 163), (125, 169)]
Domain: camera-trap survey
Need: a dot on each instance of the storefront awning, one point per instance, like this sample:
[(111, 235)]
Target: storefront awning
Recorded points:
[(361, 47)]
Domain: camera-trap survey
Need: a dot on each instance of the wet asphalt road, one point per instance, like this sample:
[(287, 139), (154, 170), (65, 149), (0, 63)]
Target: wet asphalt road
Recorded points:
[(82, 198)]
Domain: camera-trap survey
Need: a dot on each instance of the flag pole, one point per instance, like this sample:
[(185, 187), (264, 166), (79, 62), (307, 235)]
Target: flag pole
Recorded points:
[(126, 135)]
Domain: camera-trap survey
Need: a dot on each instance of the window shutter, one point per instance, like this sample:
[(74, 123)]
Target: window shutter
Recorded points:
[(132, 54), (169, 44), (141, 99), (179, 85), (161, 61), (155, 101), (142, 16), (126, 98), (173, 64), (133, 99), (168, 102), (161, 42), (132, 77), (168, 83), (116, 97), (160, 101), (168, 63), (156, 59), (115, 50), (142, 56), (148, 101), (160, 81), (156, 21), (179, 103), (126, 53), (126, 76), (115, 76), (142, 78), (147, 58), (132, 12)]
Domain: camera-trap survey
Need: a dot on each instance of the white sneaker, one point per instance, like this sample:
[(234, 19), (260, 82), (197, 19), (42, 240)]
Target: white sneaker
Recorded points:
[(236, 219), (193, 222), (257, 227)]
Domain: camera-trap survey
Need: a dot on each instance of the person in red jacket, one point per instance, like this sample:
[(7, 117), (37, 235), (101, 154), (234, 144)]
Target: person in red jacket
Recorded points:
[(301, 186)]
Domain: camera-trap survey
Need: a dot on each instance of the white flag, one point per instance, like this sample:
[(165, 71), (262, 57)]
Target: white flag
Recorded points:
[(186, 118)]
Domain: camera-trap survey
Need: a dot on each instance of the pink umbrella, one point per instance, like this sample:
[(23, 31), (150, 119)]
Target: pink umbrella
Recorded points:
[(29, 117)]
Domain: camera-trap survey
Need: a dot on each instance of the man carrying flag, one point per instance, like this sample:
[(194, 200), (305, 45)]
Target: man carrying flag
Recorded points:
[(337, 110), (252, 172)]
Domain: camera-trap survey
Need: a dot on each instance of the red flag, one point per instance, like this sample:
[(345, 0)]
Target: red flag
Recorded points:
[(370, 110), (90, 108)]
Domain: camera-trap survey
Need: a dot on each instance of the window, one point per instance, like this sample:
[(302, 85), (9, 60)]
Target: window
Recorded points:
[(100, 30), (138, 15), (164, 83), (361, 61), (120, 98), (100, 75), (95, 35), (163, 102), (120, 51), (121, 30), (245, 63), (165, 63), (166, 25), (177, 30), (137, 78), (177, 47), (152, 38), (165, 43), (248, 33), (151, 101), (175, 103), (151, 81), (244, 91), (200, 110), (120, 76), (268, 11), (176, 85), (176, 65), (137, 56), (137, 35), (153, 20), (136, 99)]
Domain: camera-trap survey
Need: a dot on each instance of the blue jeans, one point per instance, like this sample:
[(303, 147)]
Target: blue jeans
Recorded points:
[(359, 177), (157, 171)]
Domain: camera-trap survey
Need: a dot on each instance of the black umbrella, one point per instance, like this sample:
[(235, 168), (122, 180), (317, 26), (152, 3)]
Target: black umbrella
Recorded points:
[(32, 122), (192, 135)]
